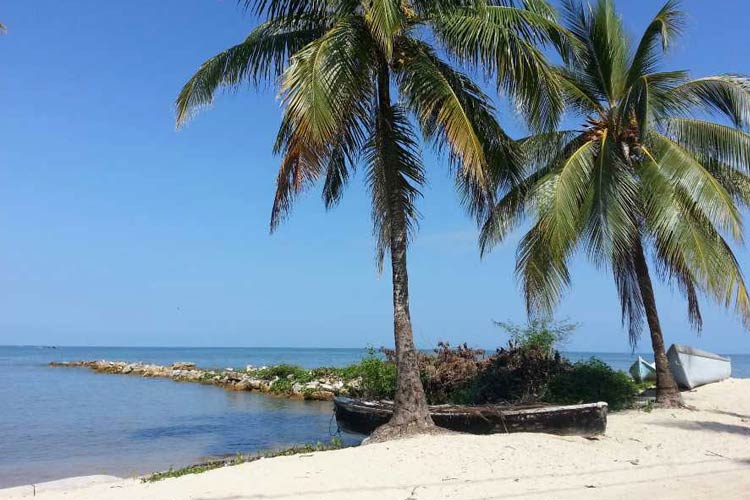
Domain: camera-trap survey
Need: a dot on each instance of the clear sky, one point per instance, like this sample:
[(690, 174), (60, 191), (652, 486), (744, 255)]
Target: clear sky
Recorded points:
[(115, 229)]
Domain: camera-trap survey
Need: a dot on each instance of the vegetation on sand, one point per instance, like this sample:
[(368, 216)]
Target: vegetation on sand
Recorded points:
[(592, 380), (334, 444), (528, 370)]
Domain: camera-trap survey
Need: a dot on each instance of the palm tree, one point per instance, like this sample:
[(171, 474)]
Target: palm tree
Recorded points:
[(648, 170), (357, 77)]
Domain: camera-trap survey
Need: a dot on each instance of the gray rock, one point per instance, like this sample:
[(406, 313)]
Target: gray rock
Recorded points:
[(183, 365)]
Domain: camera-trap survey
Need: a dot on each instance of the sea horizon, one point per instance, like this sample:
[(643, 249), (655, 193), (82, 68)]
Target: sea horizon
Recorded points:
[(420, 348)]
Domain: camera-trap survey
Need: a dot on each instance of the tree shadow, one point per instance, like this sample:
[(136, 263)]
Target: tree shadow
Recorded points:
[(704, 425), (729, 414)]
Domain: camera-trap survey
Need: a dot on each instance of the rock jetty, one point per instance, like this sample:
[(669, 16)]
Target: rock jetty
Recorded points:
[(287, 381)]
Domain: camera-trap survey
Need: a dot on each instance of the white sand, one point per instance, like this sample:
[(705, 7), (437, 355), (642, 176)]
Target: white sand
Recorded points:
[(683, 454)]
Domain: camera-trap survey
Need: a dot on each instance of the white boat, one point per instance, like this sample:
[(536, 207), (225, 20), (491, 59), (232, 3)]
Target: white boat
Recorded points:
[(692, 367), (642, 370)]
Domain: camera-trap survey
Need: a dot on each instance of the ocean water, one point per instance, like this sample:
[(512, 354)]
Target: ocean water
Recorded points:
[(60, 422)]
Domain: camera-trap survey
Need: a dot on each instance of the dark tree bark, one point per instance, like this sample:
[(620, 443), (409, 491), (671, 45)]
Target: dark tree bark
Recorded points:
[(667, 393), (410, 414)]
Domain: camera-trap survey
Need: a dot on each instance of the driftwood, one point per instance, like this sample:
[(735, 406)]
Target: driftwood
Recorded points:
[(363, 417)]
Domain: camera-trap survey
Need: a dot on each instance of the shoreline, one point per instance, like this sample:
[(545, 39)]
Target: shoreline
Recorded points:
[(667, 454)]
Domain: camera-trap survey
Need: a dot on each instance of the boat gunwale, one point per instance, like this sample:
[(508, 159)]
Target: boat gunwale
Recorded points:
[(455, 410), (691, 351)]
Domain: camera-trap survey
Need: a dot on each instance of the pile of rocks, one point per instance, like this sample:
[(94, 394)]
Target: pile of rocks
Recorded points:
[(235, 380)]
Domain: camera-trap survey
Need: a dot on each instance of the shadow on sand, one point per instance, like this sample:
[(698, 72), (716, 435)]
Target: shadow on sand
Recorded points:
[(703, 425)]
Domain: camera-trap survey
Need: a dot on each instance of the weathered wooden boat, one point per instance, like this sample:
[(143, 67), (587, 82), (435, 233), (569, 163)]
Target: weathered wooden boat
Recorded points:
[(363, 417), (692, 367), (642, 370)]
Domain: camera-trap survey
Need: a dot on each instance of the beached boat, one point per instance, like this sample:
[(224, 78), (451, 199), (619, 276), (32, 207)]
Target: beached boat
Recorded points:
[(363, 417), (692, 367), (642, 370)]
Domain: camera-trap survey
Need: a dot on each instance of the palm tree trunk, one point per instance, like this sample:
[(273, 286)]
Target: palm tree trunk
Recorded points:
[(410, 413), (410, 410), (667, 394)]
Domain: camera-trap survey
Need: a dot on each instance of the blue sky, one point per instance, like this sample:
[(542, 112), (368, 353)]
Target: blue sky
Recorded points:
[(115, 229)]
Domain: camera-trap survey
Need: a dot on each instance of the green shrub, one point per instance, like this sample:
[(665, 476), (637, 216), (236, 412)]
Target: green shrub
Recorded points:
[(282, 386), (298, 373), (591, 381), (517, 374), (378, 378), (538, 334), (326, 372)]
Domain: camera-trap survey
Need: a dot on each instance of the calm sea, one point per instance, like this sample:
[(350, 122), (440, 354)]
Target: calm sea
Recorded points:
[(57, 422)]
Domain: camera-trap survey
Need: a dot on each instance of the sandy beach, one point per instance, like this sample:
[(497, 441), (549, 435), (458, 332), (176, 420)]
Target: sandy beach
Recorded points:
[(682, 454)]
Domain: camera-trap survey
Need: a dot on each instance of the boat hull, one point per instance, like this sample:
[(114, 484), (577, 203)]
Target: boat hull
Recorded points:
[(693, 368), (642, 370), (363, 417)]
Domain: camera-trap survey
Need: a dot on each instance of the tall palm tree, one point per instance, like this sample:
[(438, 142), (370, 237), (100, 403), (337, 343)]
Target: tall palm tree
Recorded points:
[(357, 78), (648, 170)]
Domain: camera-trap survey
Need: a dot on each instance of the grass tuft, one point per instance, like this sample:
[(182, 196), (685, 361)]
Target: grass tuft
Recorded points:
[(334, 444)]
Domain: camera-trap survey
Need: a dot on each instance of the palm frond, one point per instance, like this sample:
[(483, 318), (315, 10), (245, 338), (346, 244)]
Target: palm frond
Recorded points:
[(632, 308), (271, 9), (507, 213), (728, 95), (264, 55), (543, 154), (561, 194), (337, 176), (605, 54), (328, 82), (543, 272), (300, 167), (709, 196), (446, 103), (579, 91), (327, 94), (736, 183), (385, 20), (712, 140), (661, 32), (611, 227), (648, 100), (690, 250), (394, 174), (662, 210), (548, 150), (454, 112), (502, 41)]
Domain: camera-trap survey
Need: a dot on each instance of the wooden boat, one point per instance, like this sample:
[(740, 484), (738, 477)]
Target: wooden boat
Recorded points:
[(692, 367), (642, 370), (363, 417)]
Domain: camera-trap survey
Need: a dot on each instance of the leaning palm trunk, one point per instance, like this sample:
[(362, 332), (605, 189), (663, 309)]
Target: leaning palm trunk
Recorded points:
[(667, 394)]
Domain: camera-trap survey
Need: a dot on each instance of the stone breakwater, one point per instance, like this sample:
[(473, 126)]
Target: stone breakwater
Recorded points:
[(301, 384)]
